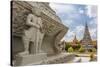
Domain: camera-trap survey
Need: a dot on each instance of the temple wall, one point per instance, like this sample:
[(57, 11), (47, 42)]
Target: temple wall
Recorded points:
[(48, 45), (52, 24)]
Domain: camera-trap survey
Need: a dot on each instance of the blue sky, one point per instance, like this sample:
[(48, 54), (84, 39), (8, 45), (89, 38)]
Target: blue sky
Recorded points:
[(75, 17)]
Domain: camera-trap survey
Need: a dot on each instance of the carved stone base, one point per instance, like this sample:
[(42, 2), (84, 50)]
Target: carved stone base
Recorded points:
[(29, 59), (60, 58)]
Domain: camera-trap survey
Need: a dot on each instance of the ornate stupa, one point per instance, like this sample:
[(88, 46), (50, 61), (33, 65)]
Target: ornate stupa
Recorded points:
[(75, 41), (86, 38)]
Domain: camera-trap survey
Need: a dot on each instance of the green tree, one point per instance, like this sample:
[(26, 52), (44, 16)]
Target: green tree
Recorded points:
[(92, 56), (70, 49), (67, 46), (78, 46), (93, 50), (81, 49)]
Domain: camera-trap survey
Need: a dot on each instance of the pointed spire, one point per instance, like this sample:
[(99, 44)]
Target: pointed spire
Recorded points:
[(86, 26), (75, 40), (86, 38), (75, 37)]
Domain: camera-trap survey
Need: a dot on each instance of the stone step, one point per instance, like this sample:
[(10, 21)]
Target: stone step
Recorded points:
[(56, 59)]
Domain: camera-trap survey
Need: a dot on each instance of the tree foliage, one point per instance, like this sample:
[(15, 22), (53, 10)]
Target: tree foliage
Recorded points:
[(67, 46), (93, 50), (81, 49), (70, 49)]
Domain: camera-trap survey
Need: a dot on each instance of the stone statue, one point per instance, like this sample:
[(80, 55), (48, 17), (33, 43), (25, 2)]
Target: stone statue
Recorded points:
[(61, 47), (39, 31), (40, 34), (29, 34), (63, 43), (34, 23), (34, 35)]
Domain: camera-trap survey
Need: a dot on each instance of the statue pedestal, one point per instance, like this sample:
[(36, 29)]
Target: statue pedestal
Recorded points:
[(59, 58), (29, 59)]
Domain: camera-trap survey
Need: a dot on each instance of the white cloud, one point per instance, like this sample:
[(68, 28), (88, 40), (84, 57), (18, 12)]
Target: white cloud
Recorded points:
[(64, 38), (79, 28), (67, 22), (93, 32), (92, 11), (69, 36), (68, 39), (70, 33), (93, 21), (81, 11), (61, 8), (79, 31)]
